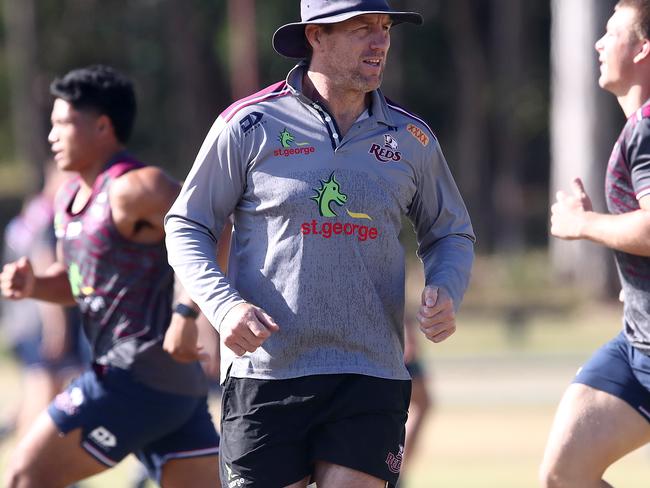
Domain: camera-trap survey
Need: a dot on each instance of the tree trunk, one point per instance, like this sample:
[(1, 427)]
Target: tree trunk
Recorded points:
[(581, 137), (196, 86), (508, 46), (244, 79), (470, 116), (29, 130)]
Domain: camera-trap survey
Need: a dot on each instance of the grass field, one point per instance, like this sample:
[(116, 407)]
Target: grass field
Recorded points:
[(496, 383)]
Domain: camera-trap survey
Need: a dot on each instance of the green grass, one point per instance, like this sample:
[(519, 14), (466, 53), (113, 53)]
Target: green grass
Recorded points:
[(497, 447)]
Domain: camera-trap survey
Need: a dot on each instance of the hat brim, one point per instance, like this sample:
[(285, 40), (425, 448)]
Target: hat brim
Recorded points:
[(289, 40)]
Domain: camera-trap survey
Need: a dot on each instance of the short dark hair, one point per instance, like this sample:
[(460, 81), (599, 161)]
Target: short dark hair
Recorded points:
[(101, 89), (642, 8)]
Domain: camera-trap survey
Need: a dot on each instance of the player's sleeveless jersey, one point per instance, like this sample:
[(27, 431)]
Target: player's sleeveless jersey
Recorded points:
[(123, 289), (628, 180)]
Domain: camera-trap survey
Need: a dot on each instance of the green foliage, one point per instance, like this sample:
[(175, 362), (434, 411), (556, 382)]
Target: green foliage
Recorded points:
[(177, 53)]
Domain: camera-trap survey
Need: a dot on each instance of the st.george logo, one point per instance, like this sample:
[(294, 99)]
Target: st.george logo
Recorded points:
[(290, 147), (330, 194), (388, 152), (234, 480)]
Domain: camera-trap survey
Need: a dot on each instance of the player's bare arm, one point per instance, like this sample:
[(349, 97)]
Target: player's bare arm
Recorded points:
[(55, 332), (182, 337), (436, 315), (139, 201), (18, 281), (573, 218)]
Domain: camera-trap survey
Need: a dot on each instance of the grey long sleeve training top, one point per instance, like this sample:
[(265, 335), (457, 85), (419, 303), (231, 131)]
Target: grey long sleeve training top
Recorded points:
[(316, 223)]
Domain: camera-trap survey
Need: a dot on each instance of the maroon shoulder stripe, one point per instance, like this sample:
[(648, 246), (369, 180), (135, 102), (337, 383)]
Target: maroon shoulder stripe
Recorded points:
[(278, 89), (402, 110)]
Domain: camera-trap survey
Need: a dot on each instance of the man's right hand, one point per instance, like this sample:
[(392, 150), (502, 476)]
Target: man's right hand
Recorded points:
[(17, 279), (245, 328)]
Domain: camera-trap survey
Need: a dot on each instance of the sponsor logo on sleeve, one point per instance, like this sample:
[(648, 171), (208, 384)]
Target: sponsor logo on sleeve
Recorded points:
[(250, 122), (419, 134)]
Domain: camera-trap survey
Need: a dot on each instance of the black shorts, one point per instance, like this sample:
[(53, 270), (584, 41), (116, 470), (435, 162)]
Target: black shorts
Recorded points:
[(272, 431)]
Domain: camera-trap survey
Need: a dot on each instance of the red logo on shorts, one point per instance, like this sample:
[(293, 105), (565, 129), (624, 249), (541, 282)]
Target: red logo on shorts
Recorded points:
[(395, 461), (68, 401)]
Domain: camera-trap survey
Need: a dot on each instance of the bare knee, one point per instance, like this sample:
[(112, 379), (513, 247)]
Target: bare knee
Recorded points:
[(553, 475), (548, 477)]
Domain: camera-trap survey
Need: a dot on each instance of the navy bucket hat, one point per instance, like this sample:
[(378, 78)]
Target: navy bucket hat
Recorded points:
[(289, 40)]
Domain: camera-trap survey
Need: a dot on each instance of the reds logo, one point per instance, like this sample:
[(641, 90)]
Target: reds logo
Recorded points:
[(394, 462), (418, 134), (387, 153), (390, 142)]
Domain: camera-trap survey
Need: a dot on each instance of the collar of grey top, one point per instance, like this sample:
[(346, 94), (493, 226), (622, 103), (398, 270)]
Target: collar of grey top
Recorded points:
[(378, 107)]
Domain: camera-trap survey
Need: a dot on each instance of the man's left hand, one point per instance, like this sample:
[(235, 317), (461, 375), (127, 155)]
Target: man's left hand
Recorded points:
[(436, 315)]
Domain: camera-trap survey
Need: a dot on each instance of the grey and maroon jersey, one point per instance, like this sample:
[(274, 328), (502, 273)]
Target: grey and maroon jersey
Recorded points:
[(317, 218), (123, 289), (628, 180)]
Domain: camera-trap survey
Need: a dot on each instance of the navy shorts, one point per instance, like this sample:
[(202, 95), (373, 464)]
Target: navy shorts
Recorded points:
[(621, 370), (118, 416), (274, 430)]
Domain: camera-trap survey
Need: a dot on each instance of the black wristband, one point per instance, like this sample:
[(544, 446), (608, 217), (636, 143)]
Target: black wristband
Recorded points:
[(185, 311)]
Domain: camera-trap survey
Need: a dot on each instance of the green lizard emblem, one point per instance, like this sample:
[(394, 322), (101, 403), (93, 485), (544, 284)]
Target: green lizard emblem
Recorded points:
[(76, 280), (286, 138), (327, 194)]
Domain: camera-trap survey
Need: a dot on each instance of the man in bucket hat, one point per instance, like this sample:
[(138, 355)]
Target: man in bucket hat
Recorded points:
[(318, 171)]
